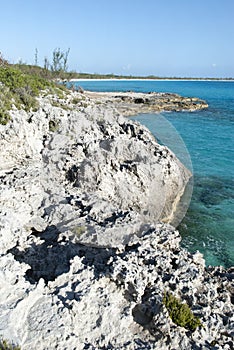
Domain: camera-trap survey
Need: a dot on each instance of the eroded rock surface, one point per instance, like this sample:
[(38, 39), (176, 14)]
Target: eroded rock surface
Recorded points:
[(62, 295), (97, 173), (84, 260)]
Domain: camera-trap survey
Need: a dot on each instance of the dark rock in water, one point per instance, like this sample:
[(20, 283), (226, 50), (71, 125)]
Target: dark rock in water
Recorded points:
[(139, 100), (213, 190), (132, 103)]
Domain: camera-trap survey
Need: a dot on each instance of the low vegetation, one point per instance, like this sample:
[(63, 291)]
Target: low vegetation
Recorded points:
[(53, 125), (78, 231), (180, 313), (20, 85)]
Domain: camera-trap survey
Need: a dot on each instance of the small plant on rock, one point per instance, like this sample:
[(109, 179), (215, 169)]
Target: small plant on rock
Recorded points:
[(53, 125), (79, 230), (75, 100), (4, 117), (180, 313)]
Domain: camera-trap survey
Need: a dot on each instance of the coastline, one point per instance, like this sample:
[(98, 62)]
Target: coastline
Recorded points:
[(83, 193), (137, 79)]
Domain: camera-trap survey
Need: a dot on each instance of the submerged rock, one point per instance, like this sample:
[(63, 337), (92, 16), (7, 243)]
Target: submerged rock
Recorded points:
[(84, 260)]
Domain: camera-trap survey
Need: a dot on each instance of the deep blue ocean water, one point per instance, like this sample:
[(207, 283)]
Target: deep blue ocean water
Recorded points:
[(208, 137)]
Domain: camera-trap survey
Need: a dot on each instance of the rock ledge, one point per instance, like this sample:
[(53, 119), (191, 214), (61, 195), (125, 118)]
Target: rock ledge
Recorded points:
[(132, 103)]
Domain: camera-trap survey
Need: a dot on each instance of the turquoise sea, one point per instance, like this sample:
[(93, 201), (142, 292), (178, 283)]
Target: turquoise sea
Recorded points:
[(208, 137)]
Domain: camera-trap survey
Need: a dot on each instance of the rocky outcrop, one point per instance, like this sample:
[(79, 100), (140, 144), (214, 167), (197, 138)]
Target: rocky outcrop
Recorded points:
[(84, 260), (97, 160), (132, 103), (58, 294)]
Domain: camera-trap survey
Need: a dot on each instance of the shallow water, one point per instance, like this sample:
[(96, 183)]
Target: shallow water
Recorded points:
[(208, 136), (208, 224)]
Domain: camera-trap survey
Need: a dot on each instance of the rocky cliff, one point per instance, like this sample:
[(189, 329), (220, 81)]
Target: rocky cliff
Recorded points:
[(87, 250)]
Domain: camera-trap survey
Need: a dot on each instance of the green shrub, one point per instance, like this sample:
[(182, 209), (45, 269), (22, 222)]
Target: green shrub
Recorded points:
[(26, 99), (14, 78), (21, 89), (4, 117), (53, 125), (75, 100), (180, 313), (5, 104)]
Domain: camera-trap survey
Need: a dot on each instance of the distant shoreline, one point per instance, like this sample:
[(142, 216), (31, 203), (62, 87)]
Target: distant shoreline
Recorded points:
[(146, 79)]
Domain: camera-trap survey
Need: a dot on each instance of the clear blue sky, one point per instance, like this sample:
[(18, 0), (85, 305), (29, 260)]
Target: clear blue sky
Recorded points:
[(160, 37)]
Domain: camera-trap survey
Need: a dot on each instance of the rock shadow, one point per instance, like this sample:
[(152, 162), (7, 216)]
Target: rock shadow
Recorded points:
[(50, 259)]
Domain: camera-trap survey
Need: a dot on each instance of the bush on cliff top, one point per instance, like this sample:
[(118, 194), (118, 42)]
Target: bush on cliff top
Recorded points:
[(180, 313), (14, 79), (21, 89)]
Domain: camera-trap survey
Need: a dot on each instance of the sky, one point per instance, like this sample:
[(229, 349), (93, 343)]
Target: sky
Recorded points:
[(176, 38)]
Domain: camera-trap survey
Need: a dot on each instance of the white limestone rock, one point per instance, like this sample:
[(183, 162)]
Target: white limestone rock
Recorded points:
[(83, 297), (94, 153), (84, 261)]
